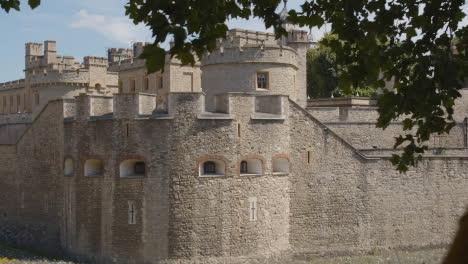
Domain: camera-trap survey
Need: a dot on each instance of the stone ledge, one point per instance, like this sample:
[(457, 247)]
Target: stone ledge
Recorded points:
[(265, 116), (215, 116)]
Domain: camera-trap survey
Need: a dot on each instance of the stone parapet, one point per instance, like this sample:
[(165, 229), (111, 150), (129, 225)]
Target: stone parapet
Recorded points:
[(17, 84), (252, 54), (16, 118), (342, 101)]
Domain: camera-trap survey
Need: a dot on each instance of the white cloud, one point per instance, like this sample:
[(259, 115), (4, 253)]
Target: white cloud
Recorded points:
[(255, 24), (119, 29)]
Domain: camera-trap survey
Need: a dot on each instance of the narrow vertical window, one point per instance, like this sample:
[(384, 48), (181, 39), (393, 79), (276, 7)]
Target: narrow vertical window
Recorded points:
[(308, 157), (238, 130), (160, 81), (22, 200), (252, 208), (132, 85), (132, 214), (18, 103), (46, 203), (145, 83), (120, 86), (36, 98), (262, 80), (127, 131), (294, 82)]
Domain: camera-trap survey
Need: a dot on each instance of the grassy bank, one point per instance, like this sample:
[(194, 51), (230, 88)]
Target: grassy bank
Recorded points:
[(428, 256)]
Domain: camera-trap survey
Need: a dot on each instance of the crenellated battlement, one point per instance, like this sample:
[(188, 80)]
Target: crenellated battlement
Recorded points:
[(297, 36), (147, 106), (93, 61), (17, 84), (251, 53), (115, 55), (241, 37), (52, 76)]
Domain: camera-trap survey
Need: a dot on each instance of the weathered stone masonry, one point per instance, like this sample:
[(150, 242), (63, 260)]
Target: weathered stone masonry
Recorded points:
[(212, 169)]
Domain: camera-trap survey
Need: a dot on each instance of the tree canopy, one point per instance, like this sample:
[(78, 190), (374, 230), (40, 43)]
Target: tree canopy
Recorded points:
[(323, 73), (7, 5), (410, 42)]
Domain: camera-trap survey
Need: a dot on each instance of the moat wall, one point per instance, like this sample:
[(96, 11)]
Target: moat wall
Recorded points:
[(332, 200)]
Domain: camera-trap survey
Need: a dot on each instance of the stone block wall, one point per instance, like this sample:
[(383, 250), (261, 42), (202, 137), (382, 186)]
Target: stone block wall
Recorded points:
[(345, 202), (332, 199)]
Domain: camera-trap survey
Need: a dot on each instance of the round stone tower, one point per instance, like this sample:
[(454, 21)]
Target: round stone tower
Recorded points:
[(250, 61)]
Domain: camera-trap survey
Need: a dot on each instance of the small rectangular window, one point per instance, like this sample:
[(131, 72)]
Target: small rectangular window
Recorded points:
[(22, 200), (252, 208), (262, 80), (160, 81), (145, 83), (132, 213), (36, 98), (120, 86), (18, 103), (308, 157), (132, 85)]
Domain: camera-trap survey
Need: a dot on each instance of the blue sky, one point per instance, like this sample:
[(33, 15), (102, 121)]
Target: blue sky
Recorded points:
[(81, 28)]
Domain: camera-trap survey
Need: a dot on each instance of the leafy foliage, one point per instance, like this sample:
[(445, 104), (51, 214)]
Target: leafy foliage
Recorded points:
[(323, 74), (7, 5)]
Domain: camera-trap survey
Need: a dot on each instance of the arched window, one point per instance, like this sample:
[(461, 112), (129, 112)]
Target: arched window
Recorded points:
[(97, 86), (212, 168), (280, 166), (93, 167), (251, 167), (132, 168), (209, 167), (68, 167)]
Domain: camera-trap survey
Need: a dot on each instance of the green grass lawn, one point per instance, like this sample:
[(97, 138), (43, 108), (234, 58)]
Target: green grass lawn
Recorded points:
[(17, 256)]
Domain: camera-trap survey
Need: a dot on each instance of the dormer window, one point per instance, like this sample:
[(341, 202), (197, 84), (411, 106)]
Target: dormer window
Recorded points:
[(262, 80)]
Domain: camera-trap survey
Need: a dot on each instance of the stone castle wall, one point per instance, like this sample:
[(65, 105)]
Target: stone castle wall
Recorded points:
[(320, 179), (333, 199), (345, 202)]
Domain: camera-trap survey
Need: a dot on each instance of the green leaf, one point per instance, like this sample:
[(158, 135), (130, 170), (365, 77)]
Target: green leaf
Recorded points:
[(155, 58), (34, 3)]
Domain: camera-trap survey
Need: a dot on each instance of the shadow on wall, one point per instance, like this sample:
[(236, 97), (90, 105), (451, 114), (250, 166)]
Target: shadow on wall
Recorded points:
[(458, 252)]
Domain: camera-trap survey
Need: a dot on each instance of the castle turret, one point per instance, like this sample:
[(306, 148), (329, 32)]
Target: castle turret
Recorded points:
[(249, 61), (50, 51)]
